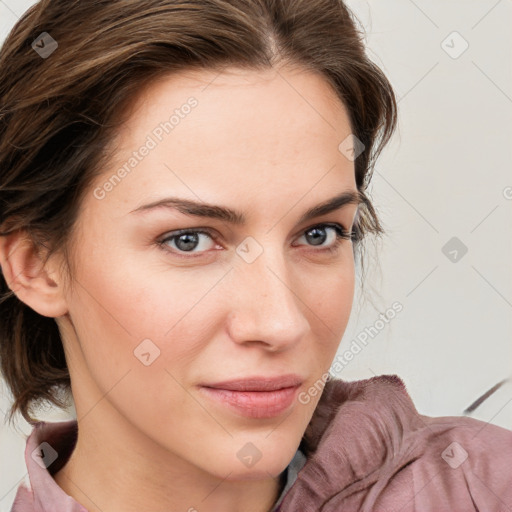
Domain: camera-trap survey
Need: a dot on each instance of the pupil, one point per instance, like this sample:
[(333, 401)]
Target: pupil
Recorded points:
[(189, 239), (318, 237)]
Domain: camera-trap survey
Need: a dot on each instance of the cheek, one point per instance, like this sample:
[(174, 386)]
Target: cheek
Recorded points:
[(139, 334), (329, 293), (123, 310), (330, 303)]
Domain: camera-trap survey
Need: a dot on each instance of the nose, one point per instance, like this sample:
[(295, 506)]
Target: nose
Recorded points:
[(266, 304)]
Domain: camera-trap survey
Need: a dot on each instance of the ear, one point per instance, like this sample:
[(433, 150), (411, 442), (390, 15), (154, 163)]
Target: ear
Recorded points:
[(39, 286)]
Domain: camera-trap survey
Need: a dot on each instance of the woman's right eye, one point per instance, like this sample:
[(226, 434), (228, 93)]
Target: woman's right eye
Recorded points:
[(185, 241)]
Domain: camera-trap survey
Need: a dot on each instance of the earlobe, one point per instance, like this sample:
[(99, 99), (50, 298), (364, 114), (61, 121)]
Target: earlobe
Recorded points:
[(26, 275)]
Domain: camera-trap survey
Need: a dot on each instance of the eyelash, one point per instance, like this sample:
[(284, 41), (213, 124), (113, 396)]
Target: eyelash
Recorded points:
[(341, 234)]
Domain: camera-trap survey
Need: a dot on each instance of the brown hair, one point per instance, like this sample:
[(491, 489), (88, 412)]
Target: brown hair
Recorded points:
[(58, 115)]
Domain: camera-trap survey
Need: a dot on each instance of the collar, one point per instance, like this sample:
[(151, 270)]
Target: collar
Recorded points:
[(48, 448)]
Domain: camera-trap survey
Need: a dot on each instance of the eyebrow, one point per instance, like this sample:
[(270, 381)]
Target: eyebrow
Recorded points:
[(205, 210)]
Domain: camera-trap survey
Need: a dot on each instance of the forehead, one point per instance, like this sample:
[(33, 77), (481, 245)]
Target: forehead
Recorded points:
[(263, 131), (260, 110)]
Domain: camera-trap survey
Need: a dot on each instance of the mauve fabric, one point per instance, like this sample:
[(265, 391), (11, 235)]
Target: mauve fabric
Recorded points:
[(45, 495), (367, 450)]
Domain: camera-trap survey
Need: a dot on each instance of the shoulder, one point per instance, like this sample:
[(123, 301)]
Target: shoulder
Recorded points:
[(451, 463), (463, 460), (398, 459)]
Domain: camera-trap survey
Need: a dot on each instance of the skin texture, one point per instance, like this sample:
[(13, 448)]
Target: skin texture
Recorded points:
[(262, 142)]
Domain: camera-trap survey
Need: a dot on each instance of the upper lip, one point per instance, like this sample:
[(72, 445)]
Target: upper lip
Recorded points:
[(258, 383)]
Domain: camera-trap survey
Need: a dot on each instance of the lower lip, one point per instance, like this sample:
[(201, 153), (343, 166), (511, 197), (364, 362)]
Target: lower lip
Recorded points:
[(254, 404)]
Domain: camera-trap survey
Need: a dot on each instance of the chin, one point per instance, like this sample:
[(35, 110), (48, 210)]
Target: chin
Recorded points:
[(252, 463)]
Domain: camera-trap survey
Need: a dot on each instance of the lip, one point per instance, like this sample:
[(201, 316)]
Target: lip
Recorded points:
[(258, 383), (255, 397), (254, 404)]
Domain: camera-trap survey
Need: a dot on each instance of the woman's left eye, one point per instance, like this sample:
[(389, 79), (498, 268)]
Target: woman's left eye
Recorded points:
[(316, 235), (194, 241)]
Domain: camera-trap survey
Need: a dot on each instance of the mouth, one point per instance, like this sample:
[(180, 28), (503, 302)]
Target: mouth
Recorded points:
[(255, 397), (254, 404)]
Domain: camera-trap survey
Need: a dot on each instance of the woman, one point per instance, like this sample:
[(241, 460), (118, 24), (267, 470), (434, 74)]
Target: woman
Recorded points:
[(184, 201)]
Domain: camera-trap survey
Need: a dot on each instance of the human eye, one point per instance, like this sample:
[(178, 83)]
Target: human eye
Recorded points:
[(332, 233), (187, 243), (191, 243)]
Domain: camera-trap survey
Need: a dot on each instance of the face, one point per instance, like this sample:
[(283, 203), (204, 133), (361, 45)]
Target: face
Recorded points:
[(165, 300)]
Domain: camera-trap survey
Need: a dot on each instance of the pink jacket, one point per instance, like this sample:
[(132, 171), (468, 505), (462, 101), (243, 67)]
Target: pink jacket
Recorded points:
[(366, 449)]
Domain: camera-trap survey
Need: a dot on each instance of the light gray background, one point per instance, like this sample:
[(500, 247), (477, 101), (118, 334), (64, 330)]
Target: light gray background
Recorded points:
[(447, 173)]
